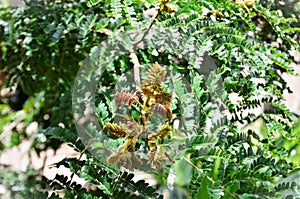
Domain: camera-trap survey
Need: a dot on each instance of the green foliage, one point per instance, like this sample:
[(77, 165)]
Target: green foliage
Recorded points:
[(107, 182), (45, 42), (22, 184)]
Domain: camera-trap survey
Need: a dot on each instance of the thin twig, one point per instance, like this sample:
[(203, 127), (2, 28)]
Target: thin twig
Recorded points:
[(188, 161), (148, 29), (229, 193)]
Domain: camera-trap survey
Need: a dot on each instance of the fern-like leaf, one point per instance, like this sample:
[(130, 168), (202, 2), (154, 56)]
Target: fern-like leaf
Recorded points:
[(92, 3), (130, 12), (116, 9), (64, 135)]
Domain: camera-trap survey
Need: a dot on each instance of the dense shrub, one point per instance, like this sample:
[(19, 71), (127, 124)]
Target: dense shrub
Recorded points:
[(247, 42)]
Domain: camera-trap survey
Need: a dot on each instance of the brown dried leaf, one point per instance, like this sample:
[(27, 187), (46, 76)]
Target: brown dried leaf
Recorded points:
[(162, 110), (125, 98)]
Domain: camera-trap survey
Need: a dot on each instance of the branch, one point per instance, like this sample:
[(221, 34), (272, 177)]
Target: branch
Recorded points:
[(136, 69)]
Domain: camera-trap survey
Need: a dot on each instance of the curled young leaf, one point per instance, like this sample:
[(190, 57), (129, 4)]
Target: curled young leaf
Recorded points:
[(116, 129), (155, 75)]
